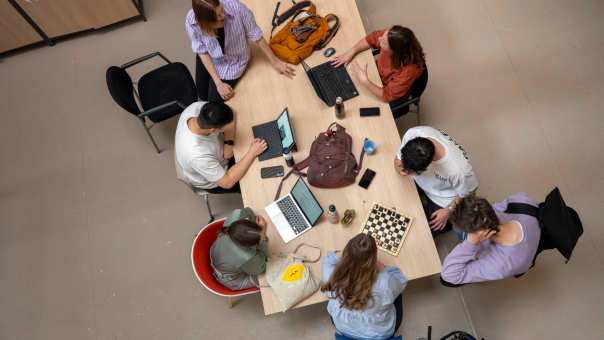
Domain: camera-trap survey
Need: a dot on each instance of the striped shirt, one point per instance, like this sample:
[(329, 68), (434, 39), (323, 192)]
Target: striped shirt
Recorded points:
[(239, 27)]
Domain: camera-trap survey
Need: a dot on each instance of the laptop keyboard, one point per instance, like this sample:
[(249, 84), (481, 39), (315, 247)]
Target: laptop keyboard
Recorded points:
[(335, 82), (292, 215)]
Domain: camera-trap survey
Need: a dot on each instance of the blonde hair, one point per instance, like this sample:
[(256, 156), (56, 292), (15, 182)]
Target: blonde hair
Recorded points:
[(205, 15)]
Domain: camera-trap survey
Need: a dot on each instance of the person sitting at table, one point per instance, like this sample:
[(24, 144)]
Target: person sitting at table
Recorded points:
[(220, 31), (400, 62), (441, 170), (498, 245), (239, 253), (365, 297), (204, 141)]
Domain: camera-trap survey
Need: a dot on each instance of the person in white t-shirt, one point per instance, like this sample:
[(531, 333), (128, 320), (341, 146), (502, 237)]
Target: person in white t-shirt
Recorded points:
[(441, 170), (204, 141)]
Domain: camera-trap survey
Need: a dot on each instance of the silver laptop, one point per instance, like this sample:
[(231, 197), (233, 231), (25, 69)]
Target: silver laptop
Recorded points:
[(295, 213)]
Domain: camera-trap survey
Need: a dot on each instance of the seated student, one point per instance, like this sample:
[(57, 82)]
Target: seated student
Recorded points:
[(441, 170), (220, 32), (239, 253), (400, 62), (204, 148), (498, 245), (365, 297)]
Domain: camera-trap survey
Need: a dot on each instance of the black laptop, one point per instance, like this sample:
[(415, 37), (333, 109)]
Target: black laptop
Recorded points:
[(331, 82), (278, 134)]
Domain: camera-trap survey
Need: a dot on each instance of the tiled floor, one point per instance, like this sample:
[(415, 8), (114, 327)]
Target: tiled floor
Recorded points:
[(95, 231)]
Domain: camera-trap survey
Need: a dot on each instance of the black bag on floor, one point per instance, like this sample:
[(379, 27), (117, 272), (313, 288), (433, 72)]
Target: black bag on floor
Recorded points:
[(560, 225), (458, 335)]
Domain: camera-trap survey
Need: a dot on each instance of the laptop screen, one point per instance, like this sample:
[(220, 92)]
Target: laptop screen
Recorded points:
[(285, 129), (306, 201)]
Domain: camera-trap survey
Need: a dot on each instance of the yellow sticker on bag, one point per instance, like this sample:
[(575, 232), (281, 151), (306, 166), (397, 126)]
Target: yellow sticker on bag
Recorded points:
[(293, 273)]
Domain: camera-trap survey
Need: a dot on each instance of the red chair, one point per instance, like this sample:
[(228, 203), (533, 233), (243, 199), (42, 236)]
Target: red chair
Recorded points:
[(200, 259)]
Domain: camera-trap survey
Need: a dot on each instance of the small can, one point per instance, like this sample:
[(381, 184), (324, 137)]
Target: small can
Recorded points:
[(289, 158), (332, 214), (340, 113)]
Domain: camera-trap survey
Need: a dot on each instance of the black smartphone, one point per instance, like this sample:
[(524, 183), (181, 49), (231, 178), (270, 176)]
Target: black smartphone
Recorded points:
[(271, 171), (369, 111), (367, 178)]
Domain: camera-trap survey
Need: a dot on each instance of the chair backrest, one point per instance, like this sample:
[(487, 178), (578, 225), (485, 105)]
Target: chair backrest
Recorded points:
[(419, 85), (120, 87), (200, 259)]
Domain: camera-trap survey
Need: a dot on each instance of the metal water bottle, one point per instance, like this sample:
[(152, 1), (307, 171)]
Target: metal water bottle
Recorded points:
[(332, 214), (340, 113), (289, 158)]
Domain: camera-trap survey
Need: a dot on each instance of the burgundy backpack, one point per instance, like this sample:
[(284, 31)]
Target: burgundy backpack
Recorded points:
[(330, 163)]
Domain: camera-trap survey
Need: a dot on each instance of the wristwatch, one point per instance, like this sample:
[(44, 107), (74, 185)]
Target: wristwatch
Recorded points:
[(229, 142)]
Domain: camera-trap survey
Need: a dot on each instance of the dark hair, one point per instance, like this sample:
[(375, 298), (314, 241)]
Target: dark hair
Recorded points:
[(352, 279), (214, 115), (406, 49), (417, 154), (473, 214), (244, 232), (205, 14)]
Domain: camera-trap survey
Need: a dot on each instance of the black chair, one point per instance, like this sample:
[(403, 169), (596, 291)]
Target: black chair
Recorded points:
[(163, 93), (400, 107)]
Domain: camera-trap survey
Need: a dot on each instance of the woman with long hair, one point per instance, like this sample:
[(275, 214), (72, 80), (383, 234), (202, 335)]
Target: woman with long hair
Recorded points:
[(220, 33), (400, 62), (238, 255), (365, 297)]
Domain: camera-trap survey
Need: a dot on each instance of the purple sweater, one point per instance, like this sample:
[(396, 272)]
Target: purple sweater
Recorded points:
[(490, 261)]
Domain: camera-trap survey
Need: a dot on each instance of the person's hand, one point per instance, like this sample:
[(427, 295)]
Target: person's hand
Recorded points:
[(225, 90), (257, 146), (342, 59), (380, 265), (359, 72), (479, 236), (284, 69), (227, 151), (262, 223), (398, 167), (439, 218)]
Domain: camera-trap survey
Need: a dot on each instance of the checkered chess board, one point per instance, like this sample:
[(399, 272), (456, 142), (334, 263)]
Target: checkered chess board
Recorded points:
[(388, 227)]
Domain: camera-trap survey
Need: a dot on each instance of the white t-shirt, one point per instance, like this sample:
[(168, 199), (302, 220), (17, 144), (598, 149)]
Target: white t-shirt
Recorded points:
[(200, 157), (448, 177)]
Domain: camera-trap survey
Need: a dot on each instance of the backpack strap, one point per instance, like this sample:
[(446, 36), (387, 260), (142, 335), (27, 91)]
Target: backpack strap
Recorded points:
[(331, 32), (279, 19), (522, 208), (295, 170)]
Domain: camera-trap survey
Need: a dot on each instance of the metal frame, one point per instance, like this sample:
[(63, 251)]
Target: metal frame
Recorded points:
[(408, 103)]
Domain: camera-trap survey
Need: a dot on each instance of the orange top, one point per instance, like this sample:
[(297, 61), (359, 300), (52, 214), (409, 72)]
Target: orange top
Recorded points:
[(397, 82)]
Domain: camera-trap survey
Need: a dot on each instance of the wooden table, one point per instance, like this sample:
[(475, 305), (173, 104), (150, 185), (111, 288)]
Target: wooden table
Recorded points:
[(261, 96)]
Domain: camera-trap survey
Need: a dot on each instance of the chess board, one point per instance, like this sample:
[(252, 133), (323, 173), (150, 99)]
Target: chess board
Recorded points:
[(388, 227)]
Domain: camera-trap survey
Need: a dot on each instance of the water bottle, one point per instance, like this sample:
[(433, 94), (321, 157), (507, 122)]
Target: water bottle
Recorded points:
[(332, 214), (289, 158), (340, 113)]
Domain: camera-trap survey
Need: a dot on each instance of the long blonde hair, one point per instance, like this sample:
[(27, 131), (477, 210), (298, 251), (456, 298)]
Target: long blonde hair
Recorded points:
[(352, 280)]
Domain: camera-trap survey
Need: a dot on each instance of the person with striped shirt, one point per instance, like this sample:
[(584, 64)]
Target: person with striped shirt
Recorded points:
[(221, 32)]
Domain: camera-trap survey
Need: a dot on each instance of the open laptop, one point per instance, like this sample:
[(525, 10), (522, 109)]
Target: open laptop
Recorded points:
[(295, 213), (278, 134), (330, 82)]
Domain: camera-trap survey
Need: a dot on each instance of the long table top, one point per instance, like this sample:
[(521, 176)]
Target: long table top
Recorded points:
[(262, 94)]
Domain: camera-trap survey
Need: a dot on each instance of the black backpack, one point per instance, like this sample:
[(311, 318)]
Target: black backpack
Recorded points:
[(560, 225)]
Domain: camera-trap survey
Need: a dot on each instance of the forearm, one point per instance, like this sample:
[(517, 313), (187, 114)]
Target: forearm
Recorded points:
[(359, 47), (237, 171), (266, 50), (206, 60), (374, 89), (456, 267)]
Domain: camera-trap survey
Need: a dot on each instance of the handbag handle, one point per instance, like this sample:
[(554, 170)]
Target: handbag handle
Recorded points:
[(304, 258)]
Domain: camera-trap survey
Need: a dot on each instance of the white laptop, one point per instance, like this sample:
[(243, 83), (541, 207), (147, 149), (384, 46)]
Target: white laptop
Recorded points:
[(295, 213)]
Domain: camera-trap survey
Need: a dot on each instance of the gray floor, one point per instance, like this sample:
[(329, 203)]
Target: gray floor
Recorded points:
[(96, 232)]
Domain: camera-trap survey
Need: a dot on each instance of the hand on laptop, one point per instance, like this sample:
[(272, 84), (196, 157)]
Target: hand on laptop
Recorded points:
[(284, 69), (257, 147), (342, 59), (225, 90)]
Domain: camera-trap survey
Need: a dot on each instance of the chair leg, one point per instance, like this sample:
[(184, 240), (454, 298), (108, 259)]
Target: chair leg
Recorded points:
[(418, 117), (150, 136), (206, 198)]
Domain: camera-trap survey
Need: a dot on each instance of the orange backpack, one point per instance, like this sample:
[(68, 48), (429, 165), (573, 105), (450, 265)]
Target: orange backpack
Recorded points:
[(304, 33)]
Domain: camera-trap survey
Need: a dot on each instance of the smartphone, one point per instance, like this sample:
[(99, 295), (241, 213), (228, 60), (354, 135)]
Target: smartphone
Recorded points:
[(367, 178), (271, 171), (369, 111)]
